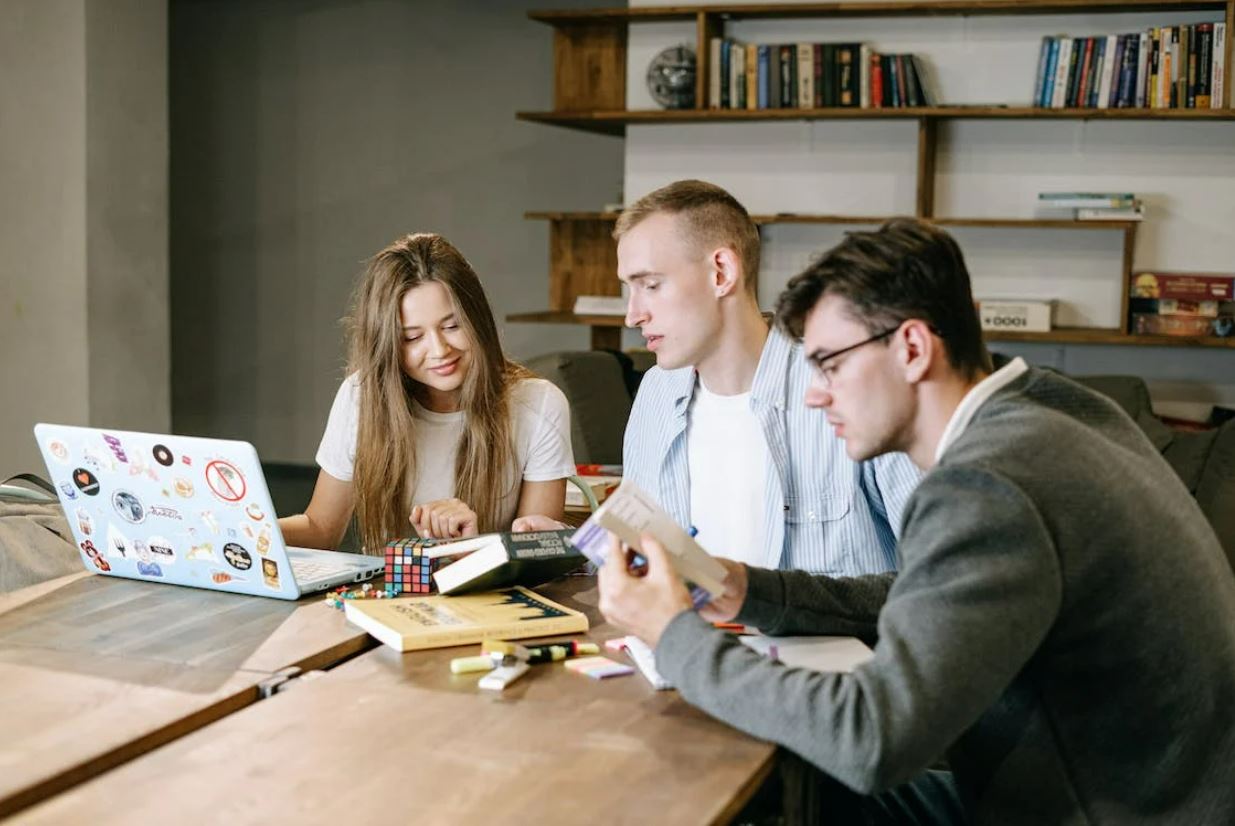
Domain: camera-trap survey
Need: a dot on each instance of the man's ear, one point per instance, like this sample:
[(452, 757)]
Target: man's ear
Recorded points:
[(918, 349), (726, 272)]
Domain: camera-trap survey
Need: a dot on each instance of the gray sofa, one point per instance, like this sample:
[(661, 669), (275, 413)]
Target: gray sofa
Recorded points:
[(601, 384)]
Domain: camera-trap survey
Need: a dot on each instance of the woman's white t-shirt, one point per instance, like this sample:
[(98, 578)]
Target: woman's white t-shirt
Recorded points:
[(541, 419)]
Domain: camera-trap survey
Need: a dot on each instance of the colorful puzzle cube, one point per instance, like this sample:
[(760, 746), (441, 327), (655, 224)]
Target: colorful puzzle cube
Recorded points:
[(408, 570)]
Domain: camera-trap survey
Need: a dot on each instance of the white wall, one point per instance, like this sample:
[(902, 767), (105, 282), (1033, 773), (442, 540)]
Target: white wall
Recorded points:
[(306, 136), (83, 218), (1184, 171), (42, 223)]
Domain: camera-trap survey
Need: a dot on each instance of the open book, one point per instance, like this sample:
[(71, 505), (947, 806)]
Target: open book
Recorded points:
[(628, 512)]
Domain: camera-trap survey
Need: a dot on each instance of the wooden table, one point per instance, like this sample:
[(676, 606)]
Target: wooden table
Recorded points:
[(393, 738), (95, 671)]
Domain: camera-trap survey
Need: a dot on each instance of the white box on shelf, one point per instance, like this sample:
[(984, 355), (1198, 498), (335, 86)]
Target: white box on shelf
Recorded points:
[(600, 305), (1005, 315)]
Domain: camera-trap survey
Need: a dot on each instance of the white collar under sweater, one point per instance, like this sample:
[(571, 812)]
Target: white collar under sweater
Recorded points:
[(974, 399)]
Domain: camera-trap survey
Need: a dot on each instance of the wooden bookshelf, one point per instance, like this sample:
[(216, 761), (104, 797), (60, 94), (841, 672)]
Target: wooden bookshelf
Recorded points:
[(1062, 335), (590, 53), (615, 122)]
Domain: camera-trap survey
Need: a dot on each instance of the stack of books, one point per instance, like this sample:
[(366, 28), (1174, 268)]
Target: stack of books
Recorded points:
[(1095, 206), (1166, 67), (1182, 304), (814, 76)]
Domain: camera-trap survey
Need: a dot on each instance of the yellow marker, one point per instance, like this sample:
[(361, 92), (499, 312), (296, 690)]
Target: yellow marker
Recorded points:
[(468, 665)]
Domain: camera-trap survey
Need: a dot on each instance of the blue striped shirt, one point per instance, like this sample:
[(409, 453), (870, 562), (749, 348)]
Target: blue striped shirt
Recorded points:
[(823, 512)]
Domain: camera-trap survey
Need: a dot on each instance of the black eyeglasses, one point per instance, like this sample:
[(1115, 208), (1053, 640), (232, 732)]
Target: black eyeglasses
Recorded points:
[(826, 371)]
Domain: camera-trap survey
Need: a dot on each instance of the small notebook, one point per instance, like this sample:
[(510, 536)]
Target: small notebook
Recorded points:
[(645, 659), (816, 653)]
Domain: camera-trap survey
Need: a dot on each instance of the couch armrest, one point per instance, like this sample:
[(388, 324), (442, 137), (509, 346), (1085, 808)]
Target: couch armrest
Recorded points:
[(1215, 492)]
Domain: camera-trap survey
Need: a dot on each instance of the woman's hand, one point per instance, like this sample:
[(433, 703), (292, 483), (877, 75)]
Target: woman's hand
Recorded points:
[(536, 522), (444, 519)]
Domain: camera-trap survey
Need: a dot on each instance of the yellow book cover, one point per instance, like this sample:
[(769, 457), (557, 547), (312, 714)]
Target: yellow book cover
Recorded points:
[(414, 623)]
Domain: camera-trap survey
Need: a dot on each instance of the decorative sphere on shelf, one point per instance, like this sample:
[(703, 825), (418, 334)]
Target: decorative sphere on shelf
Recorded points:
[(671, 78)]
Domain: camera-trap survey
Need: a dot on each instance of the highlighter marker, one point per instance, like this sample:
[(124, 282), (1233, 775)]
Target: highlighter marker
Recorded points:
[(499, 678), (468, 665)]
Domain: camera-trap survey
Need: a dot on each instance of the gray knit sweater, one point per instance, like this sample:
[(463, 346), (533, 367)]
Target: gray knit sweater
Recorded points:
[(1062, 628)]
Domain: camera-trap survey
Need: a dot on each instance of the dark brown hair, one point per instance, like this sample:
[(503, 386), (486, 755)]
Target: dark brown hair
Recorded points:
[(908, 268)]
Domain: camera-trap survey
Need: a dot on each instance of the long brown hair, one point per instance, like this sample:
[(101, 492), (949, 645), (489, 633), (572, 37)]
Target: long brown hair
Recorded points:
[(383, 479)]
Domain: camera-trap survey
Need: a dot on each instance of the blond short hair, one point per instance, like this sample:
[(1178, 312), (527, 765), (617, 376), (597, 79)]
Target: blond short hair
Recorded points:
[(708, 216)]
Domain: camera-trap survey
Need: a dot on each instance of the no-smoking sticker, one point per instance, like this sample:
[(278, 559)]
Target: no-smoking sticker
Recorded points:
[(225, 481)]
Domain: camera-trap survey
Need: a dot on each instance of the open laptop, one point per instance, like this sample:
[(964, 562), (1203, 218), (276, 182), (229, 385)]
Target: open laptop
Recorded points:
[(182, 510)]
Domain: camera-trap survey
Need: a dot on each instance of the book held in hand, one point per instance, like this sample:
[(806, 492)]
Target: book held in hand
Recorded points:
[(414, 623), (498, 560), (629, 512)]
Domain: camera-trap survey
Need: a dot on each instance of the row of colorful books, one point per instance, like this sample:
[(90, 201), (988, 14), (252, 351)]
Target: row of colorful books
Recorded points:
[(1182, 304), (1169, 67), (1094, 206), (813, 76)]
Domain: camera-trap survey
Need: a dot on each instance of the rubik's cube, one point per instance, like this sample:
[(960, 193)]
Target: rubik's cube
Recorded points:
[(408, 570)]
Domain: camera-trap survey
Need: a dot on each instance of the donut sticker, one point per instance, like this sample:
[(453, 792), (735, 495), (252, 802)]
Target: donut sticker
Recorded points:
[(86, 481), (163, 455), (129, 507), (225, 481), (237, 556), (183, 487)]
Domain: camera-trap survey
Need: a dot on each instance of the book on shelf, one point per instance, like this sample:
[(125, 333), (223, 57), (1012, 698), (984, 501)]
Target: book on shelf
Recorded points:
[(1132, 213), (415, 623), (1178, 307), (630, 512), (1006, 315), (600, 305), (1184, 286), (1087, 200), (498, 560), (813, 76), (601, 487), (1163, 67)]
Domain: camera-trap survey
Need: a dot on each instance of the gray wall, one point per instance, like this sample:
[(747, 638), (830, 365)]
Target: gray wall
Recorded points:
[(83, 218), (309, 134)]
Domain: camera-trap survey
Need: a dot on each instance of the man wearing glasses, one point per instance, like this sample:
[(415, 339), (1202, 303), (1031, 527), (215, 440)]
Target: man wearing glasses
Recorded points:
[(1063, 623)]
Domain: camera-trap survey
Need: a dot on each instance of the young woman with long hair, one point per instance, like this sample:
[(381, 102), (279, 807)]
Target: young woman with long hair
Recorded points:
[(433, 424)]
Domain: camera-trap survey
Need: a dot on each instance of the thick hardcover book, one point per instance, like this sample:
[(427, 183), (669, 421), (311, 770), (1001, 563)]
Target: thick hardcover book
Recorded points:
[(415, 623), (788, 77), (847, 74), (498, 560), (1204, 64), (1044, 56), (765, 77)]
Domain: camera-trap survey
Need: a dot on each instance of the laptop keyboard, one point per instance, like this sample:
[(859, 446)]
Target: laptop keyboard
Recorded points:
[(307, 570)]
